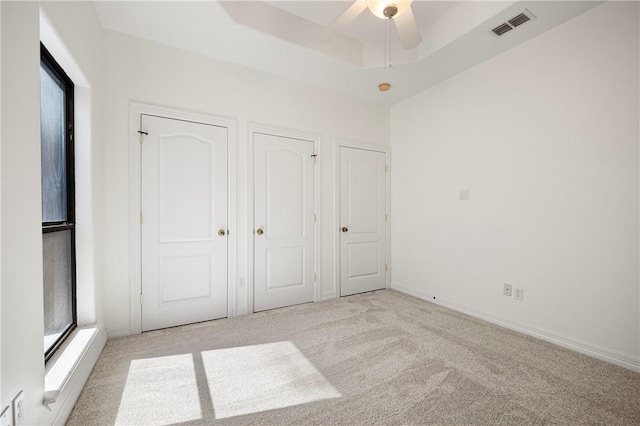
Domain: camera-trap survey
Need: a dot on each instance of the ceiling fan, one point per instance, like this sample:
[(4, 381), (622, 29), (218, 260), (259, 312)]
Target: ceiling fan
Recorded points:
[(398, 11)]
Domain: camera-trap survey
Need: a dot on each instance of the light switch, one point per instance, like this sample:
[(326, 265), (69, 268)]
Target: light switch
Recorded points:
[(463, 195)]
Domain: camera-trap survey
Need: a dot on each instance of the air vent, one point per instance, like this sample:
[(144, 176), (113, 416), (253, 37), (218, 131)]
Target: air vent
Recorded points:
[(512, 23), (519, 20), (501, 29)]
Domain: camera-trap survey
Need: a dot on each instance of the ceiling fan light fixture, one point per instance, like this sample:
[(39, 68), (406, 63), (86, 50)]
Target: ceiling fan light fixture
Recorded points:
[(383, 87), (378, 7)]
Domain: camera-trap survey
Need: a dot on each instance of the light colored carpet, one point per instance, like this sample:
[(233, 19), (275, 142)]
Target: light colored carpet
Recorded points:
[(374, 358)]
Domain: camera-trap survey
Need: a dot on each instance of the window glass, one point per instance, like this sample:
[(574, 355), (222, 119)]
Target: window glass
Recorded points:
[(58, 291), (53, 157)]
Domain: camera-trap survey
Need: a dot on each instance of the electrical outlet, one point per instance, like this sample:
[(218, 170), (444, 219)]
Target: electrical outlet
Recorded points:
[(518, 293), (241, 283), (507, 290), (7, 416), (18, 409)]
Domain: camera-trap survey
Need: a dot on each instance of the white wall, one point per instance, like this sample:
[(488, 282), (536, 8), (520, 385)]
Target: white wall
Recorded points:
[(1, 399), (22, 331), (22, 315), (546, 138), (142, 71)]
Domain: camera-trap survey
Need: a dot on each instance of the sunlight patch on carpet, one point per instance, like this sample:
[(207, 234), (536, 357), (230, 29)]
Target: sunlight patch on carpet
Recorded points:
[(256, 378), (160, 391)]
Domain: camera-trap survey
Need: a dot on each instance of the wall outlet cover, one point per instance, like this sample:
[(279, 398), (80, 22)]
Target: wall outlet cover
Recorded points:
[(507, 290), (18, 409), (6, 417), (518, 293)]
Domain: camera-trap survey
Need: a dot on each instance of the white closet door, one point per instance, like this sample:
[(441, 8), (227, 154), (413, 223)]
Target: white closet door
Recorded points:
[(184, 229), (283, 221), (362, 221)]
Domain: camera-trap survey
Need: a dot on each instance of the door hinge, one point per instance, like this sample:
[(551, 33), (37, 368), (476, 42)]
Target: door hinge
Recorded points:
[(141, 298), (386, 167), (386, 217), (386, 267), (315, 157), (314, 277), (141, 135), (141, 218), (314, 218)]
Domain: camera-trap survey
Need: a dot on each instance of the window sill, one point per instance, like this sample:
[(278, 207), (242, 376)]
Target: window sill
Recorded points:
[(79, 352)]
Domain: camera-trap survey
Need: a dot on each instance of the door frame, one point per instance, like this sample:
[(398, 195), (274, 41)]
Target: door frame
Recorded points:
[(135, 194), (252, 130), (386, 150)]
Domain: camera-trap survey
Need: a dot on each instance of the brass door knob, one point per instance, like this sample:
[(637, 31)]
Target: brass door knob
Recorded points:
[(221, 233), (345, 229), (259, 231)]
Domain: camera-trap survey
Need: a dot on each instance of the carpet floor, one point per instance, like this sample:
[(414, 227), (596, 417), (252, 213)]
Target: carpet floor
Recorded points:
[(374, 358)]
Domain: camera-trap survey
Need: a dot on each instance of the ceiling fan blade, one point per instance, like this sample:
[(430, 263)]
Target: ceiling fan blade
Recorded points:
[(408, 29), (346, 18)]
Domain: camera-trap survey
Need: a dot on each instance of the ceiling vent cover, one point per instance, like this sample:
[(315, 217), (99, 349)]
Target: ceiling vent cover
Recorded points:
[(512, 23), (501, 29), (519, 20)]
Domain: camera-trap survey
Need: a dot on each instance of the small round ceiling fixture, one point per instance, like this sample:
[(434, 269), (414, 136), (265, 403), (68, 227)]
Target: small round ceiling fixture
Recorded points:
[(390, 11), (383, 87)]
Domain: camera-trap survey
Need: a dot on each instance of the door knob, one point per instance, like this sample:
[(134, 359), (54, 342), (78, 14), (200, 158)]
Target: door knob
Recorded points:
[(345, 229), (221, 233), (259, 231)]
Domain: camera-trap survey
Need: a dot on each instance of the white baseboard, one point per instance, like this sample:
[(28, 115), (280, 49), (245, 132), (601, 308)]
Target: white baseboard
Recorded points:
[(327, 296), (599, 353), (120, 332)]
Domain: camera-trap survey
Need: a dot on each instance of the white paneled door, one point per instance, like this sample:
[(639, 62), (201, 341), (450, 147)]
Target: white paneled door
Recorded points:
[(184, 222), (283, 221), (362, 220)]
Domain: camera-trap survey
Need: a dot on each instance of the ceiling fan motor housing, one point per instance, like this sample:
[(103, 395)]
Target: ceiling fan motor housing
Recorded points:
[(387, 9)]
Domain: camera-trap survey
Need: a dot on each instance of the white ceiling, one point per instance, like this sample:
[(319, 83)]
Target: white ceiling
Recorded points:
[(366, 27), (286, 38)]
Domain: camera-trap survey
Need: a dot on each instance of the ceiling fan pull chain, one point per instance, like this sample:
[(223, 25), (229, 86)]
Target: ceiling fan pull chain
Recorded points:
[(387, 44)]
